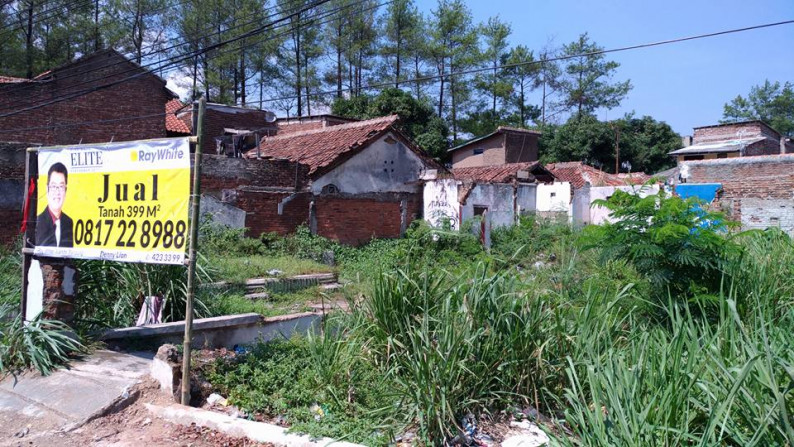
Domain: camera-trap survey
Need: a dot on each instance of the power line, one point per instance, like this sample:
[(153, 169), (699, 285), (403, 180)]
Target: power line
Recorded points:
[(539, 62), (197, 53), (426, 78), (82, 73), (48, 13), (176, 59)]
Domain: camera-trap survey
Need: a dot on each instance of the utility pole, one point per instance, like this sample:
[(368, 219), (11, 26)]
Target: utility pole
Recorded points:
[(616, 128)]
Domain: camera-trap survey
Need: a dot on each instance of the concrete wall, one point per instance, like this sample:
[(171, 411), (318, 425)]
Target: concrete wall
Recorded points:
[(598, 214), (385, 166), (493, 153), (765, 213), (554, 198), (499, 199), (526, 198), (222, 213), (441, 202), (757, 191)]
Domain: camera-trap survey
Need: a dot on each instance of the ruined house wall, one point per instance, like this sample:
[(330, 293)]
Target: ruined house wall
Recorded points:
[(12, 187), (757, 191), (387, 165), (357, 219), (142, 96)]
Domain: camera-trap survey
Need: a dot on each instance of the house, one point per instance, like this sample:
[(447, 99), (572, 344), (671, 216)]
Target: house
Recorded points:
[(755, 191), (350, 182), (228, 130), (312, 122), (585, 184), (740, 139), (99, 97), (505, 145), (499, 194)]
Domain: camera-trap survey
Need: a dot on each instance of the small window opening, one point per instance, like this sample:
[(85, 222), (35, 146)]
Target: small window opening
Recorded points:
[(330, 189), (480, 210), (478, 151)]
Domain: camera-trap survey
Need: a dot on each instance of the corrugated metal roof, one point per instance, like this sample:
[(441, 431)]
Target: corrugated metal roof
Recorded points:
[(715, 147)]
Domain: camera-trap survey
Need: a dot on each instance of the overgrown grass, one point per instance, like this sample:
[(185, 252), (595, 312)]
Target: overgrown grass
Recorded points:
[(583, 337), (237, 269), (41, 344)]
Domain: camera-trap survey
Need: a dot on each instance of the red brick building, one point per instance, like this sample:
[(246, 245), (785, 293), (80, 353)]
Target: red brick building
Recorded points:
[(505, 145), (350, 182), (741, 139)]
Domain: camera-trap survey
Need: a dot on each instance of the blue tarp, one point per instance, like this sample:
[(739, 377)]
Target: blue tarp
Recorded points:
[(703, 191)]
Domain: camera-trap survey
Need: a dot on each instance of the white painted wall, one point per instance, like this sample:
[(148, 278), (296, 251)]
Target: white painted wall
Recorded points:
[(600, 214), (441, 202), (381, 167), (554, 197)]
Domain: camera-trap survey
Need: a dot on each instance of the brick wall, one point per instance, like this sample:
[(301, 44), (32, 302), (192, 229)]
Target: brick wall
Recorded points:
[(355, 220), (521, 148), (217, 118), (12, 186), (261, 209), (219, 173), (143, 95), (257, 187), (757, 191)]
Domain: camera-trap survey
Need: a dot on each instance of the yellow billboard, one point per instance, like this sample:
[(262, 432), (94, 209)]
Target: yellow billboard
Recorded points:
[(124, 201)]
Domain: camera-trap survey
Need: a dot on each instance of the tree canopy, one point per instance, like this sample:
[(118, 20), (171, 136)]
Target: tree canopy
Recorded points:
[(771, 102), (644, 143)]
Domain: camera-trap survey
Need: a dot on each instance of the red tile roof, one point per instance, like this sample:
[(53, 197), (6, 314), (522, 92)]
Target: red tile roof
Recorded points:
[(11, 80), (322, 149), (578, 173), (172, 123), (494, 174)]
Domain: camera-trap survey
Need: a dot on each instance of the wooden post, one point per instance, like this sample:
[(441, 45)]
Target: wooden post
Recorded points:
[(29, 238), (191, 269)]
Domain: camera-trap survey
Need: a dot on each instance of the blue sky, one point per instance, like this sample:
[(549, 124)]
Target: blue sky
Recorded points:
[(685, 84)]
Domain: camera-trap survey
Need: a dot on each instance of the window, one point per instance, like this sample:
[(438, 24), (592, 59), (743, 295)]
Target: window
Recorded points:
[(480, 210), (722, 155), (554, 194), (693, 157), (478, 151), (330, 189)]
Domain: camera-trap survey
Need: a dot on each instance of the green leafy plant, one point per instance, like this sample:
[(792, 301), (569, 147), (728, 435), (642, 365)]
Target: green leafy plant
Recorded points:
[(41, 344), (676, 243)]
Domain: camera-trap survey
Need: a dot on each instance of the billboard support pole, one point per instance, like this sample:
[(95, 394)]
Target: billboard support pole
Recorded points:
[(191, 269)]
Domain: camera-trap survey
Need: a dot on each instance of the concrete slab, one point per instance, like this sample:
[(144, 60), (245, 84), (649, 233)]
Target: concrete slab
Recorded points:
[(69, 397), (257, 431)]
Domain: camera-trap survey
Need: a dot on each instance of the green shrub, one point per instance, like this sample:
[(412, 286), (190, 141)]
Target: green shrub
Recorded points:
[(675, 243), (41, 344)]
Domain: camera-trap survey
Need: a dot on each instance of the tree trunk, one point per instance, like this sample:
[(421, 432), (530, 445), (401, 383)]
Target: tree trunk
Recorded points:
[(29, 42), (339, 51), (298, 92), (96, 25), (397, 74), (306, 84), (242, 77)]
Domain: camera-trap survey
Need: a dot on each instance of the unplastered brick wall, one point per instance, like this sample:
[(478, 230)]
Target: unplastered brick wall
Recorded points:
[(355, 220), (132, 109), (757, 191), (12, 186), (217, 118), (733, 132), (262, 215), (220, 173)]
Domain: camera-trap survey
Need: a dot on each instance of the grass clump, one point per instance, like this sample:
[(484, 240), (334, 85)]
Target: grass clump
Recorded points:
[(40, 344)]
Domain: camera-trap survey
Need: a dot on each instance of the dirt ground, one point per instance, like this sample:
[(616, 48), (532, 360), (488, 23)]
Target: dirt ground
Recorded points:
[(132, 427)]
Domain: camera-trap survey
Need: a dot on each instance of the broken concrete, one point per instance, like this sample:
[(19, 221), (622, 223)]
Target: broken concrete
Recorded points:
[(68, 398), (257, 431), (226, 331)]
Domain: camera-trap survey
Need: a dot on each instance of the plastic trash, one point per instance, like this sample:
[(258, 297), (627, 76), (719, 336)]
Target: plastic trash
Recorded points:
[(217, 399)]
